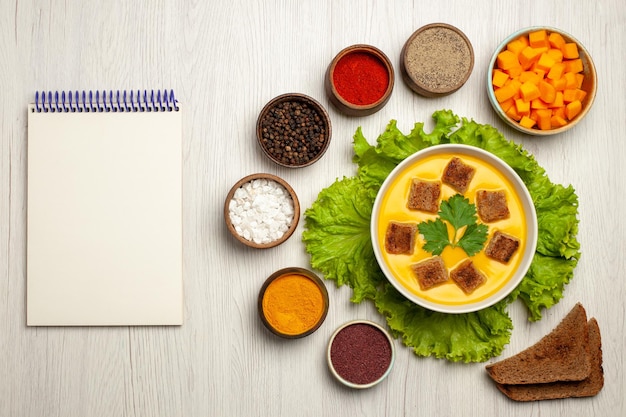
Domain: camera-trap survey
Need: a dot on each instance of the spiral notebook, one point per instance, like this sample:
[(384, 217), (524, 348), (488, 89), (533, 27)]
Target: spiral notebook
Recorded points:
[(104, 209)]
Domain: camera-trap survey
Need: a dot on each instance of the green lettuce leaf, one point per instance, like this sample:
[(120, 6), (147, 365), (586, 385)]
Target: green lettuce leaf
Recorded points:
[(470, 337), (337, 237)]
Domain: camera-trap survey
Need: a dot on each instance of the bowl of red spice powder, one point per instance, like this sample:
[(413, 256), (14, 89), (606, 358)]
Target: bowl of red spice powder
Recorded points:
[(359, 80), (360, 354)]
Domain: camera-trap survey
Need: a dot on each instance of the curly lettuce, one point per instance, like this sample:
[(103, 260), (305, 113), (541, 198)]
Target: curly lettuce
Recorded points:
[(337, 237)]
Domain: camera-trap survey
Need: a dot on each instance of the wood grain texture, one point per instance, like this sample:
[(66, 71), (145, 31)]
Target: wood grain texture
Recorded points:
[(225, 59)]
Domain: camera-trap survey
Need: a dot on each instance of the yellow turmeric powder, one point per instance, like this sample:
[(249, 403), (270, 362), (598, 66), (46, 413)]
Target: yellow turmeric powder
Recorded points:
[(293, 304)]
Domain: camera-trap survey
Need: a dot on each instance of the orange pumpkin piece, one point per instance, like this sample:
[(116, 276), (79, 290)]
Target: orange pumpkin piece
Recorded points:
[(538, 39), (570, 50), (499, 78), (547, 92), (573, 109), (506, 60), (529, 91)]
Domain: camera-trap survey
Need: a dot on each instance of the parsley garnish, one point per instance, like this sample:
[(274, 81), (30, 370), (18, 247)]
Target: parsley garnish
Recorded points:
[(458, 212)]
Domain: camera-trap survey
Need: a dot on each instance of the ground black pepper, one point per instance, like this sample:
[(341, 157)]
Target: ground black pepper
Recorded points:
[(360, 353), (293, 132)]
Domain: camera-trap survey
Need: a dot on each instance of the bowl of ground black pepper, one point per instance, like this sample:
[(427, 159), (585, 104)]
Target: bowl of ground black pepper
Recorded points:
[(359, 80), (261, 210), (360, 354), (437, 60), (293, 130)]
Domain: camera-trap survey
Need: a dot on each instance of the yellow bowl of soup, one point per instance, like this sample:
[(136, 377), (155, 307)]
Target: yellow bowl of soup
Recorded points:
[(454, 228)]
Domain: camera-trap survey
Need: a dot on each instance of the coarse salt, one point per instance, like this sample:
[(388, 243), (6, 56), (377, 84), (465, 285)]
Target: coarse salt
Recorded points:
[(261, 211)]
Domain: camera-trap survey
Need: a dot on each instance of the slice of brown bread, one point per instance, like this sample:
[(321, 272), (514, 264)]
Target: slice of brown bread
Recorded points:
[(588, 387), (561, 355)]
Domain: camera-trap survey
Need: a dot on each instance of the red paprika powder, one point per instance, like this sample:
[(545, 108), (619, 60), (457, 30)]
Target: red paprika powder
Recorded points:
[(360, 78)]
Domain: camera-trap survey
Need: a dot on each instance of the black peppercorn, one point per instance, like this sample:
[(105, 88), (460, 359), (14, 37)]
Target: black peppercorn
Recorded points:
[(293, 132)]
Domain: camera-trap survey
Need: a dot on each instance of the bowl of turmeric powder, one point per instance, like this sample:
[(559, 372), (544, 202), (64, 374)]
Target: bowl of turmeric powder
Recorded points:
[(541, 81), (293, 302)]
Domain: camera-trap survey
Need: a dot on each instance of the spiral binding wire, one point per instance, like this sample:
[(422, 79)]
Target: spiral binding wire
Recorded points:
[(105, 101)]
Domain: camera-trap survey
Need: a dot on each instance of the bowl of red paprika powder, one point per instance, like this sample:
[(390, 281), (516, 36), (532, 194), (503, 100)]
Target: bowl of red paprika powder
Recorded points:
[(359, 80), (360, 354)]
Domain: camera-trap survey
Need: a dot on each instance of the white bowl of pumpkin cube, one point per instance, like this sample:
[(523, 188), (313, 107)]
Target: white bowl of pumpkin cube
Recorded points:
[(541, 81), (454, 228)]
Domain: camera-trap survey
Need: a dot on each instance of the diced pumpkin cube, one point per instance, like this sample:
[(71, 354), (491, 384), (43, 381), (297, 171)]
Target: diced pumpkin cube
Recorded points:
[(505, 92), (506, 59), (570, 50), (512, 113), (579, 80), (529, 56), (560, 111), (529, 76), (538, 39), (545, 62), (570, 80), (499, 78), (517, 45), (543, 119), (547, 92), (527, 122), (558, 100), (573, 94), (559, 84), (515, 71), (557, 121), (529, 91), (556, 40), (506, 104), (522, 107), (555, 54), (557, 71), (573, 109), (538, 103), (574, 65)]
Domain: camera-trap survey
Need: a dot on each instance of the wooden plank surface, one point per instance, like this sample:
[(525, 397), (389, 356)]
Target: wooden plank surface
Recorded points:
[(225, 60)]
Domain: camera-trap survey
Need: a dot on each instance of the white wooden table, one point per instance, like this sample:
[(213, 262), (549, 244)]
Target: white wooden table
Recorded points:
[(225, 60)]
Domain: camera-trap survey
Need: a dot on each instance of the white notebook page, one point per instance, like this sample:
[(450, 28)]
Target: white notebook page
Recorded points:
[(104, 229)]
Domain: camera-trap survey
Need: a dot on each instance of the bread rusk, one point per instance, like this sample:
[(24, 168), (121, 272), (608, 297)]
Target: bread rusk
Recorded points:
[(561, 355), (588, 387)]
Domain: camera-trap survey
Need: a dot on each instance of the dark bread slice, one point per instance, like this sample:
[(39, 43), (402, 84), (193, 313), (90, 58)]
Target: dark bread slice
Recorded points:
[(467, 276), (502, 247), (491, 205), (458, 175), (561, 355), (588, 387), (424, 195), (400, 238), (430, 272)]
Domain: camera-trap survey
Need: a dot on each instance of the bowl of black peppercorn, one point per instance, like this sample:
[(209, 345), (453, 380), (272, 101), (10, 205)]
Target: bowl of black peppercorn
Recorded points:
[(293, 130)]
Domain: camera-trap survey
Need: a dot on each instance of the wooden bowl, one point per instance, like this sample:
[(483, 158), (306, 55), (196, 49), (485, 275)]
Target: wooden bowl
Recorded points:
[(250, 241), (436, 60), (293, 310), (278, 140), (589, 83), (365, 107)]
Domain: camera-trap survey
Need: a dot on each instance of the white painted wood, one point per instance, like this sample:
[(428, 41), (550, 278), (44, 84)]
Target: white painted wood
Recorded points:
[(225, 60)]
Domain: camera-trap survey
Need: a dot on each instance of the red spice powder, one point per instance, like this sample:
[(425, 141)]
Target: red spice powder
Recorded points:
[(360, 353), (360, 78)]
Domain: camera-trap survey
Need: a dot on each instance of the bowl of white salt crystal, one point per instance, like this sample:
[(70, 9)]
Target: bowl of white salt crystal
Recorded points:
[(261, 210)]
